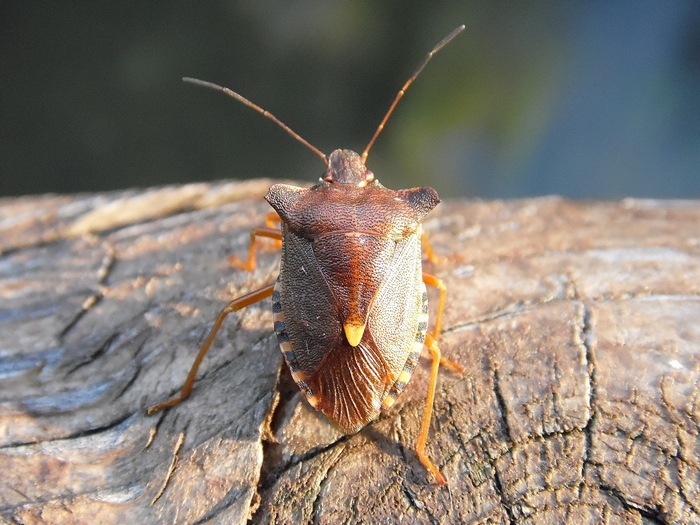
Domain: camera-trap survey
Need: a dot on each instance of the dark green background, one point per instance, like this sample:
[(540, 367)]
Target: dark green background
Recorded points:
[(584, 99)]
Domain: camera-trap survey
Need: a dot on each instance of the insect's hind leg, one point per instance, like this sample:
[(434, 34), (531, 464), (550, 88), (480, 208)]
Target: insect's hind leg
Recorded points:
[(434, 350), (269, 231), (236, 304)]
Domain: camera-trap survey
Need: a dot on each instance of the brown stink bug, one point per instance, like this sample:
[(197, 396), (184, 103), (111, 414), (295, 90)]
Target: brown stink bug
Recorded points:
[(350, 304)]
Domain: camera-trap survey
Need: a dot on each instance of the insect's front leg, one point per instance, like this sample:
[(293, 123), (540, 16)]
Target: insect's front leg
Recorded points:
[(429, 253), (273, 220), (270, 231)]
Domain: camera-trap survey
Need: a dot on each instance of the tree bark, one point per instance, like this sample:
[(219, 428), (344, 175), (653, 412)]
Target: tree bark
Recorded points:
[(577, 324)]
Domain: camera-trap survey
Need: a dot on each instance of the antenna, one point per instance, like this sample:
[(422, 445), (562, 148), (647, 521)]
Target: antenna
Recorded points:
[(257, 108), (401, 92)]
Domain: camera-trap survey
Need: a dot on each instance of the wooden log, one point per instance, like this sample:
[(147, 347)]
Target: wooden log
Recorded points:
[(577, 324)]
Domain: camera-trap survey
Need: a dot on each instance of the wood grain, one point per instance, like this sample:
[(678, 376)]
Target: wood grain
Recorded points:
[(577, 323)]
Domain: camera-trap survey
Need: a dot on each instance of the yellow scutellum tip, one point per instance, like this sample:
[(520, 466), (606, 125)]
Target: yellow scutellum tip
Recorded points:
[(354, 333)]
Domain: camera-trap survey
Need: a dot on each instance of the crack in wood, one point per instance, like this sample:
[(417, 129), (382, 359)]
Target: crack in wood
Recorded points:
[(502, 409), (587, 339), (86, 359), (681, 489), (103, 272), (678, 456), (318, 500), (503, 418), (171, 468), (272, 470), (498, 485), (83, 433), (229, 499), (653, 515)]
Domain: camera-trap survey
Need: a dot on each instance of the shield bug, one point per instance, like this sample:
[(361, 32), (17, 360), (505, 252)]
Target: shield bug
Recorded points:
[(350, 304)]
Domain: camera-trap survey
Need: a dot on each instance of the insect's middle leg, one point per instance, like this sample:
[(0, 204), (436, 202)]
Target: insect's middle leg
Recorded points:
[(436, 282), (429, 253), (270, 231)]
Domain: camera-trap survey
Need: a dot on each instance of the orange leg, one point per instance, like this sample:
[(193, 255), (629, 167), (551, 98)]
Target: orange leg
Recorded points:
[(233, 306), (429, 253), (434, 350), (272, 220), (261, 231), (438, 283)]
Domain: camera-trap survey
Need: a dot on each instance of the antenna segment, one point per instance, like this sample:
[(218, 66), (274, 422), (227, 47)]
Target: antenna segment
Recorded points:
[(401, 92), (257, 108), (267, 114)]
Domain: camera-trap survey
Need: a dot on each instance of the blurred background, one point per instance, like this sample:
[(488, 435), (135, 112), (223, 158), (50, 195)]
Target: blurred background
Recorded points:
[(581, 99)]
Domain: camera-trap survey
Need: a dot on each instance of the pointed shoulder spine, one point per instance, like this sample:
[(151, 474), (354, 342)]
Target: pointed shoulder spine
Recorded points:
[(421, 200), (283, 197)]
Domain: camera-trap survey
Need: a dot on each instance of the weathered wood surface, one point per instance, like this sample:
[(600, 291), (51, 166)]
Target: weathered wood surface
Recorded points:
[(578, 324)]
